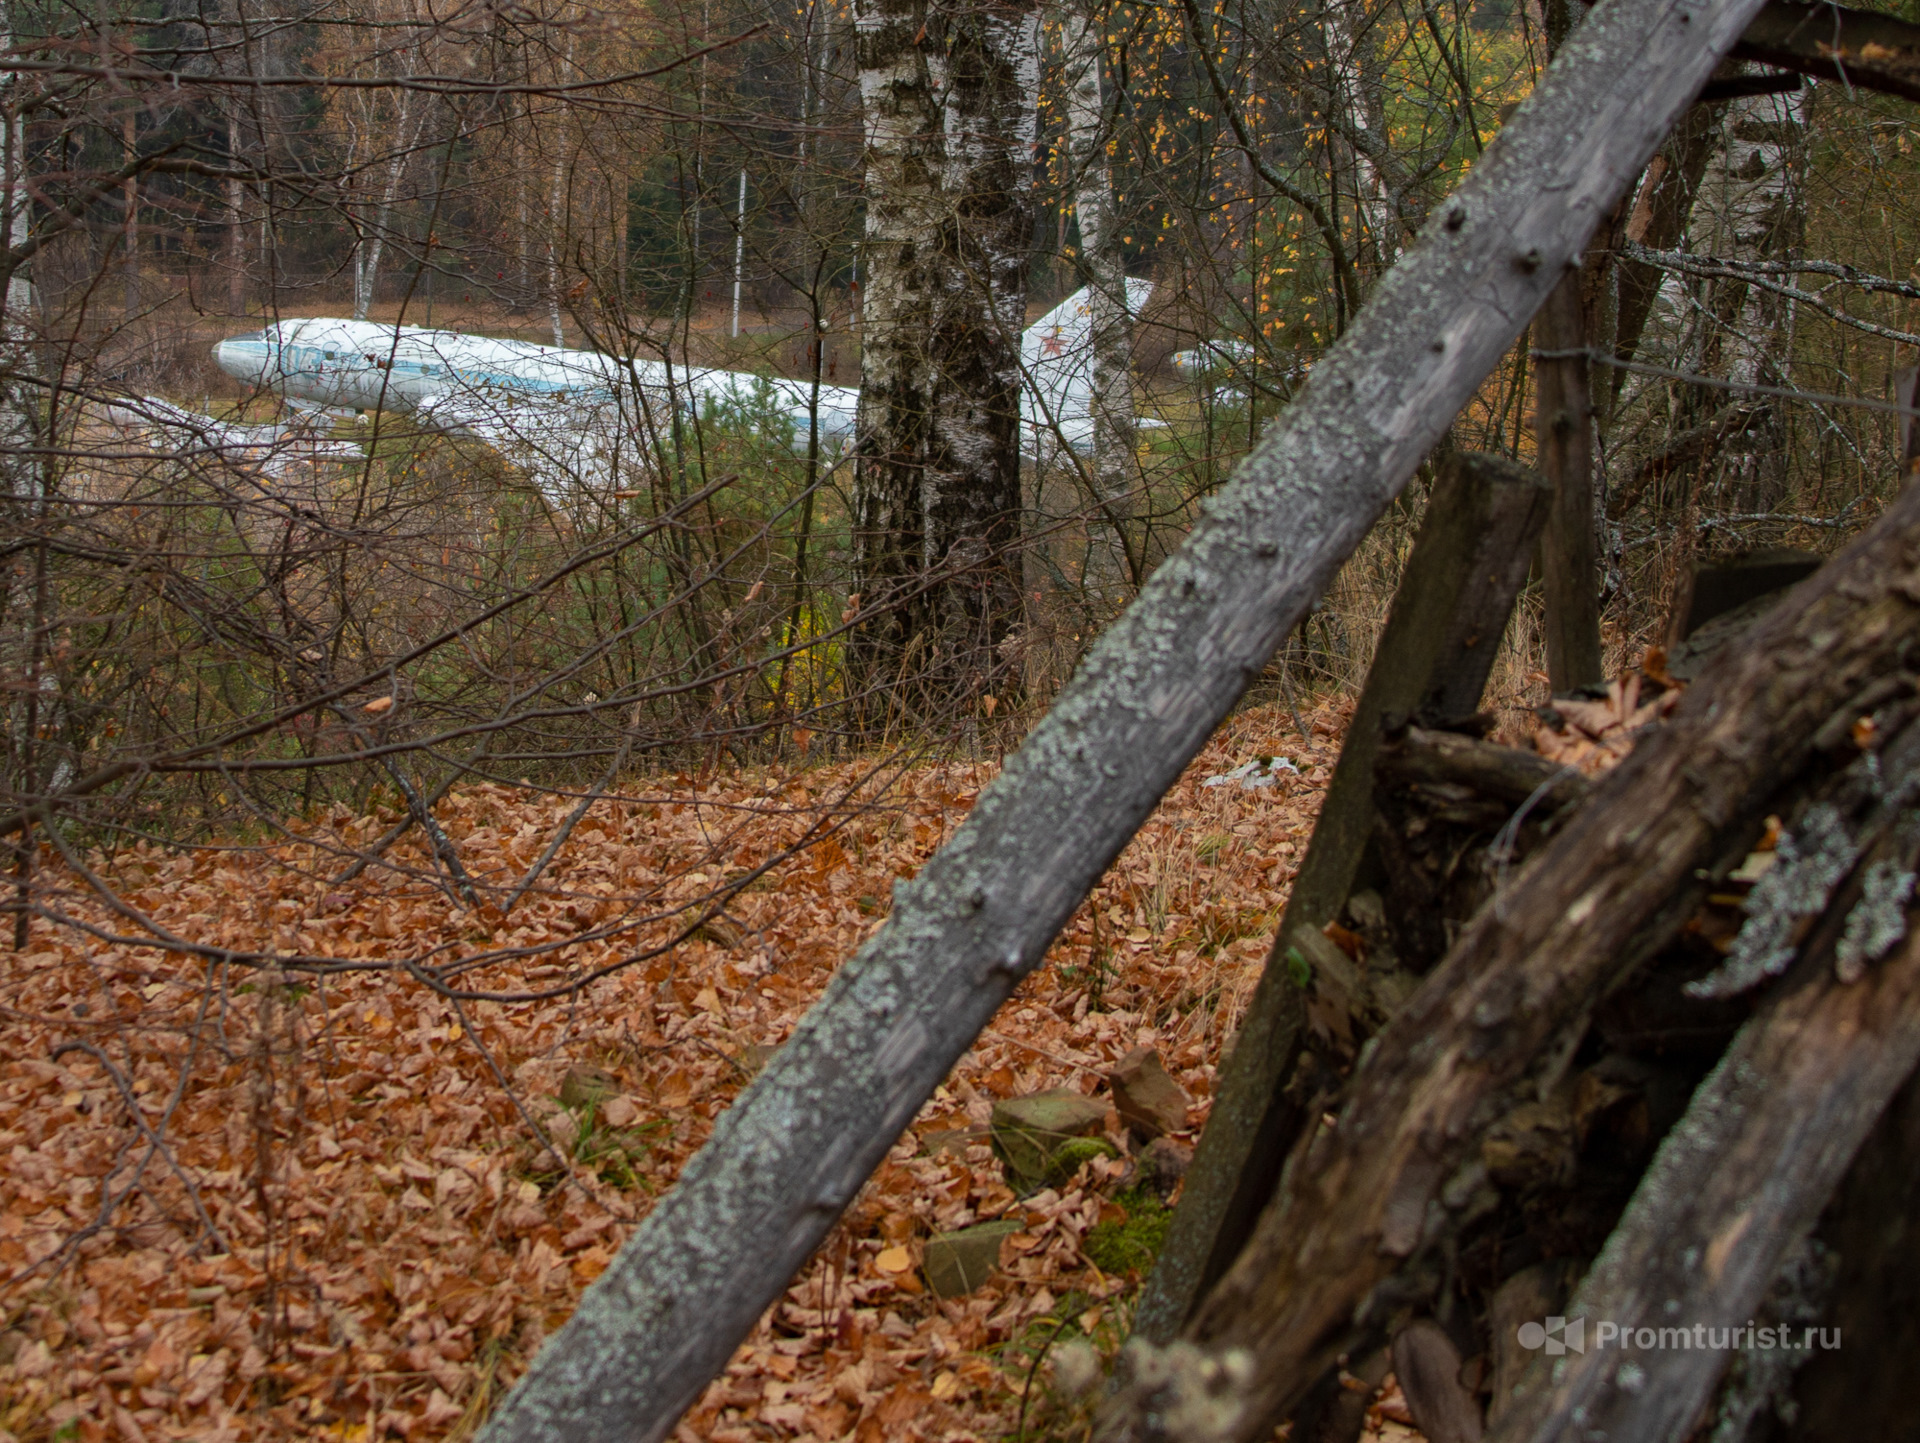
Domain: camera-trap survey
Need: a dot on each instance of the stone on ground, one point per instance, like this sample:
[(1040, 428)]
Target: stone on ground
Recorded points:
[(1036, 1136), (959, 1262), (1147, 1098), (1163, 1163)]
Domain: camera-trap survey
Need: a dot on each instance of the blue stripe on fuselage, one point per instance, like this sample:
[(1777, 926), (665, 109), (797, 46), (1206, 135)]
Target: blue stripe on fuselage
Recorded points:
[(294, 363)]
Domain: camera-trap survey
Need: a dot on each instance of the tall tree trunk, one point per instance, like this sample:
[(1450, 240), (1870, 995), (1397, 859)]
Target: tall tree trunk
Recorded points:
[(1750, 206), (555, 243), (556, 230), (948, 88), (130, 199), (235, 241), (1111, 573), (1564, 444), (19, 398), (366, 269), (523, 213), (23, 592), (1356, 109)]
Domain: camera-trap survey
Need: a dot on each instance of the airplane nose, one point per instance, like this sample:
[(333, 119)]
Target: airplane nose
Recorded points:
[(244, 361)]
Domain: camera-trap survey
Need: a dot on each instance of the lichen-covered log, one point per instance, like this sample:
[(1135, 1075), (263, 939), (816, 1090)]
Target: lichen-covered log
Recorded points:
[(793, 1150), (1345, 1238)]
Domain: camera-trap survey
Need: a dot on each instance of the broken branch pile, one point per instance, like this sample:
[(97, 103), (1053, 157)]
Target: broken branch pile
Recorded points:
[(1584, 1059)]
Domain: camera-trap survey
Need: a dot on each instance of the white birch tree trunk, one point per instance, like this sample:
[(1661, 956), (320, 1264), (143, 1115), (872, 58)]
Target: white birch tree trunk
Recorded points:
[(948, 88), (33, 687), (554, 244), (556, 228), (523, 213), (366, 270), (1751, 206), (1110, 575), (1356, 100), (130, 196), (19, 401), (235, 241)]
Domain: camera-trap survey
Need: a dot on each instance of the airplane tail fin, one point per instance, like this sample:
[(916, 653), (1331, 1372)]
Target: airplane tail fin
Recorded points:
[(1056, 355)]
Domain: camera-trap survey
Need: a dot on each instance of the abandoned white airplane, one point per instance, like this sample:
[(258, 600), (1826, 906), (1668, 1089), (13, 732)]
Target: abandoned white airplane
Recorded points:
[(577, 415)]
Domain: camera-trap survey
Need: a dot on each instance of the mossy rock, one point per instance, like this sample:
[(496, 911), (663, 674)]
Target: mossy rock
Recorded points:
[(1130, 1243), (1043, 1139), (959, 1262), (1076, 1153)]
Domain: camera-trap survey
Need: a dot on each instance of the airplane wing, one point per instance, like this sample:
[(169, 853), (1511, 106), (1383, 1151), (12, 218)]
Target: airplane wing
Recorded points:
[(601, 439), (565, 446), (273, 448)]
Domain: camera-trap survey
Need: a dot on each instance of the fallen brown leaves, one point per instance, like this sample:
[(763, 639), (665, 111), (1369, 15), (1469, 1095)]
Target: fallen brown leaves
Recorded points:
[(241, 1204), (1593, 736)]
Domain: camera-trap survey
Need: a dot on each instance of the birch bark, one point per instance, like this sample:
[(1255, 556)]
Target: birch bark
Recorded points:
[(1732, 192), (1750, 206), (33, 690), (130, 221), (1358, 115), (948, 90), (366, 252), (1110, 573), (19, 404)]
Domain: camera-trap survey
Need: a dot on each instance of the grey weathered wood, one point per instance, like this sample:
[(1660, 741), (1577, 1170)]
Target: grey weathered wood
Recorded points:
[(794, 1149), (1444, 629), (1427, 1364), (1860, 48), (1503, 774), (1873, 1225), (1739, 1181), (1563, 440), (1345, 1240)]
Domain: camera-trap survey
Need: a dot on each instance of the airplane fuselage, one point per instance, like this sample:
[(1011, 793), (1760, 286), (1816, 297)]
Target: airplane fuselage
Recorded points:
[(364, 365), (514, 390)]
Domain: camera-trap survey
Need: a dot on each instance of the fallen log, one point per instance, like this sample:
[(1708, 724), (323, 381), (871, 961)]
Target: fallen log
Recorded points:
[(1739, 1182), (790, 1154), (1343, 1245)]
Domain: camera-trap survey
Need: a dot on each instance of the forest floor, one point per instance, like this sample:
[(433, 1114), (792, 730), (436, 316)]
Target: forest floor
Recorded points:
[(239, 1209)]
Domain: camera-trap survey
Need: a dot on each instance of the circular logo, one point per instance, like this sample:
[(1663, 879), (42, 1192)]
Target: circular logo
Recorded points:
[(1532, 1335)]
